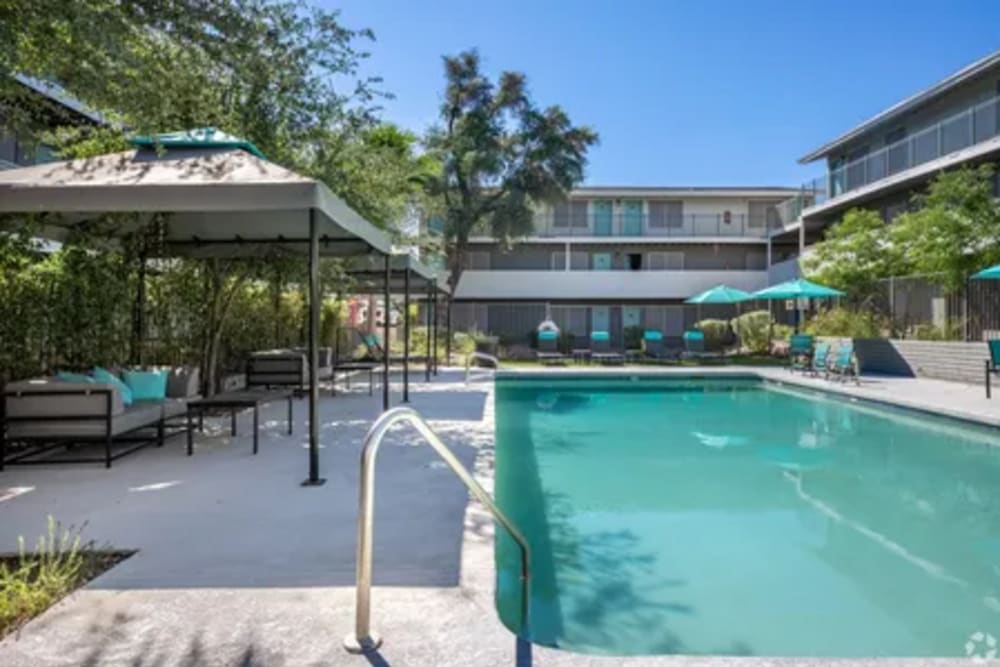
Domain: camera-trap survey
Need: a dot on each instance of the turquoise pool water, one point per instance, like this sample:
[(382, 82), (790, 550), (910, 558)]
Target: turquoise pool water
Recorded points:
[(730, 516)]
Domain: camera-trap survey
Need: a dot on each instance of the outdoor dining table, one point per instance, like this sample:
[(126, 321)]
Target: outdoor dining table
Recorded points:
[(235, 401)]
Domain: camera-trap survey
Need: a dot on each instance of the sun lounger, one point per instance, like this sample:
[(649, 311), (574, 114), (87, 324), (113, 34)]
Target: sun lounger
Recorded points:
[(548, 348), (844, 364), (600, 344), (800, 352)]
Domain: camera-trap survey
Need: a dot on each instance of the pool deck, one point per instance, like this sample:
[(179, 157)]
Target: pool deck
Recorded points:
[(239, 565)]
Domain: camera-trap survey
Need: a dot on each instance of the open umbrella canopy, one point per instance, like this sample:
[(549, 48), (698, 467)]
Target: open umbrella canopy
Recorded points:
[(796, 289), (720, 294), (992, 273)]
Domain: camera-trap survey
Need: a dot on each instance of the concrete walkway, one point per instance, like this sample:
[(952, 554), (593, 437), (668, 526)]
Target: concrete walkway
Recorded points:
[(239, 565)]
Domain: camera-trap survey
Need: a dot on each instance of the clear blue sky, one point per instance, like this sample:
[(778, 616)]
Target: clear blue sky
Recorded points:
[(685, 92)]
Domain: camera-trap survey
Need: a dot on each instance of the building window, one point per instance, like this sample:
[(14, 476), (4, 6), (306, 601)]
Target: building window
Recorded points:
[(477, 260), (579, 260), (557, 260), (634, 261), (662, 260), (664, 214)]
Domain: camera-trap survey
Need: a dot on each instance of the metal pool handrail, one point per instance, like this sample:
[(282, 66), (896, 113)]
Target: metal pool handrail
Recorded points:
[(363, 640), (479, 356)]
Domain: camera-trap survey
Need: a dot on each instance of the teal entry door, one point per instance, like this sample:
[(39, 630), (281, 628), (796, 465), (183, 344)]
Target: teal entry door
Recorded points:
[(600, 318), (632, 218), (603, 217), (631, 316), (602, 261)]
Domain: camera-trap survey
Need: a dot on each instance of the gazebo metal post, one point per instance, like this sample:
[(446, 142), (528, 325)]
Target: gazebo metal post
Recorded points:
[(406, 336), (386, 317), (434, 307), (427, 364), (314, 478), (447, 331), (139, 316)]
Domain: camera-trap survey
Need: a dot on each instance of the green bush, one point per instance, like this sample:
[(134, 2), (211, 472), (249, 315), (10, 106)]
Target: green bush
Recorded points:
[(718, 333), (32, 582), (847, 323), (753, 330), (950, 331), (633, 337)]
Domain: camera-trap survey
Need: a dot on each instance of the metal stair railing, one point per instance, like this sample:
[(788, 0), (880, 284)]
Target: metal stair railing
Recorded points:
[(363, 639)]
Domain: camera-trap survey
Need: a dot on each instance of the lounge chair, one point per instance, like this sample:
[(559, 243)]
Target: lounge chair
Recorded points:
[(993, 363), (600, 343), (694, 344), (652, 343), (819, 359), (376, 351), (548, 348), (844, 364), (800, 352), (581, 348)]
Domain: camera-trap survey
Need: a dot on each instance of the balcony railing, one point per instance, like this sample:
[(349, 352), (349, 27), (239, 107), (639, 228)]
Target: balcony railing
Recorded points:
[(974, 125), (645, 226)]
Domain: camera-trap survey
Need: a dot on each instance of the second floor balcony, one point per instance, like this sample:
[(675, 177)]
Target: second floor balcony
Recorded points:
[(686, 225), (969, 128)]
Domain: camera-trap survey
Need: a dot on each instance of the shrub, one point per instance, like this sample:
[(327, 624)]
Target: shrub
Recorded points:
[(847, 323), (32, 582), (950, 331), (753, 329), (633, 337), (717, 333)]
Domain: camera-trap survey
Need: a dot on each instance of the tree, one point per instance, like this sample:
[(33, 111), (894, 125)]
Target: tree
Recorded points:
[(500, 156), (954, 229), (378, 172), (855, 254)]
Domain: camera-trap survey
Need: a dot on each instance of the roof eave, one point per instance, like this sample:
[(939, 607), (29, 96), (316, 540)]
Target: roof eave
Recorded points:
[(910, 103)]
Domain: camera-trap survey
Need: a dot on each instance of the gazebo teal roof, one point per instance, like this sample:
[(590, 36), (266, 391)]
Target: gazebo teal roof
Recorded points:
[(200, 137)]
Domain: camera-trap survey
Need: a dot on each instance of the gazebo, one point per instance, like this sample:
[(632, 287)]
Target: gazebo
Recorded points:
[(401, 274), (220, 198)]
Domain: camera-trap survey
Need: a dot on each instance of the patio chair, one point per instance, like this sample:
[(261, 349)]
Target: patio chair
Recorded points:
[(844, 364), (548, 348), (993, 363), (800, 352), (653, 347), (580, 348), (820, 358), (694, 343), (600, 342)]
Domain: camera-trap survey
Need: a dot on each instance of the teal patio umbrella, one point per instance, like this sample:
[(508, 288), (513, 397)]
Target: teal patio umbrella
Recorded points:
[(992, 273), (796, 289), (718, 294)]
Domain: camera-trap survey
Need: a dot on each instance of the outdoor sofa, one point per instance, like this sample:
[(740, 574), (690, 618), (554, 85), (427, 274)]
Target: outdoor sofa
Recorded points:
[(44, 414), (286, 368)]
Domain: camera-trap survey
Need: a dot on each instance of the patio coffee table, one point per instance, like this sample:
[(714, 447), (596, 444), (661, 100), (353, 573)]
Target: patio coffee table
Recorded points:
[(235, 401)]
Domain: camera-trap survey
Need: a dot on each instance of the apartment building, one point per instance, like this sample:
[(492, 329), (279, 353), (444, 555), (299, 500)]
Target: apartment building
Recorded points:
[(610, 258), (23, 146), (881, 162)]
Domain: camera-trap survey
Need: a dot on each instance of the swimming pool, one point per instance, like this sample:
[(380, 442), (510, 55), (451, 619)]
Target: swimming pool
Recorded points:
[(735, 516)]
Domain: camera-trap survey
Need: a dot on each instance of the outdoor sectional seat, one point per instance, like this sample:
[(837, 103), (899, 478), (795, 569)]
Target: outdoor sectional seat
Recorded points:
[(42, 414), (286, 368)]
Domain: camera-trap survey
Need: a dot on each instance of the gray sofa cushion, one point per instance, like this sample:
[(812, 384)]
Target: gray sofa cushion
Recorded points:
[(137, 415), (27, 399), (174, 407), (183, 382)]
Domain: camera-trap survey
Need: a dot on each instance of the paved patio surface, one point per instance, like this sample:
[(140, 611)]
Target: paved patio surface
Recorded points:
[(239, 565)]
